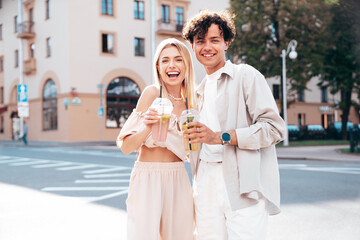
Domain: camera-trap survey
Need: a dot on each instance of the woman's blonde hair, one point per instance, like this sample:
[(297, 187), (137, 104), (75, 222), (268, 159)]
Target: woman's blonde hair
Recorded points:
[(188, 85)]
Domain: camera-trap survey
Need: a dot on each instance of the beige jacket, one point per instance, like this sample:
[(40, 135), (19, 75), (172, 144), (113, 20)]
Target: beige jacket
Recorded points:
[(245, 104)]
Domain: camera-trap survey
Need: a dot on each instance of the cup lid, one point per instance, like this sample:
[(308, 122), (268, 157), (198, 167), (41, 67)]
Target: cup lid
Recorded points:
[(162, 105)]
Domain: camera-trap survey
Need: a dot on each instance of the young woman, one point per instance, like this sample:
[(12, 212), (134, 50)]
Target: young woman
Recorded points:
[(160, 201)]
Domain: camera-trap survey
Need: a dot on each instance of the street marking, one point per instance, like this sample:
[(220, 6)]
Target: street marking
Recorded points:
[(69, 189), (103, 181), (53, 165), (108, 175), (105, 170), (111, 195), (305, 167), (28, 163), (16, 160), (77, 167)]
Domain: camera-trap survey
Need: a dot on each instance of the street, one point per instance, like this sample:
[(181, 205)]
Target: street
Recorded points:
[(79, 192)]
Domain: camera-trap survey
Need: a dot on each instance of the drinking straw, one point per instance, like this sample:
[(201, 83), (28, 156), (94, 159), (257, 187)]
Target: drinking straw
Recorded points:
[(187, 111), (159, 132)]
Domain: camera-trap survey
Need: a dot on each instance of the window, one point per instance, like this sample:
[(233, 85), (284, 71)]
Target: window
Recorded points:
[(165, 13), (139, 47), (138, 9), (1, 64), (16, 58), (1, 124), (301, 97), (276, 91), (15, 24), (32, 50), (301, 119), (107, 7), (50, 106), (179, 19), (48, 47), (1, 95), (47, 9), (324, 97), (1, 31), (107, 43), (122, 95)]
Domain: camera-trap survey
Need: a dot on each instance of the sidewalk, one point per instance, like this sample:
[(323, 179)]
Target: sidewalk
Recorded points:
[(321, 153)]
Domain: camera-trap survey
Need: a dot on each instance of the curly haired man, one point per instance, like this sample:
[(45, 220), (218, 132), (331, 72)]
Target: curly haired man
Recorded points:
[(236, 176)]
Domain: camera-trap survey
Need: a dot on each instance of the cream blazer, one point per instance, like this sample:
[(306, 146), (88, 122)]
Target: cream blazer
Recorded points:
[(246, 104)]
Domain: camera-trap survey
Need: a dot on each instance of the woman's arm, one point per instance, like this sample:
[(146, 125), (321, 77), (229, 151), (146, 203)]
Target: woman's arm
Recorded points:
[(134, 141)]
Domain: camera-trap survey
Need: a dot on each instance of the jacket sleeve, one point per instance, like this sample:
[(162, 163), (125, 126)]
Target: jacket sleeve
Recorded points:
[(266, 127)]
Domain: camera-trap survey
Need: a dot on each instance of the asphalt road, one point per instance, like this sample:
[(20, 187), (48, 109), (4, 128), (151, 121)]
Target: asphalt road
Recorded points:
[(320, 199)]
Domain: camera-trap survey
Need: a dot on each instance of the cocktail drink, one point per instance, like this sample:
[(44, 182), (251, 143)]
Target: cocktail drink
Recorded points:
[(160, 129), (188, 116)]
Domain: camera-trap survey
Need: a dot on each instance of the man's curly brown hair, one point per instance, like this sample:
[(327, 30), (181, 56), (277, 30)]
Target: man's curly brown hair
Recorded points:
[(198, 26)]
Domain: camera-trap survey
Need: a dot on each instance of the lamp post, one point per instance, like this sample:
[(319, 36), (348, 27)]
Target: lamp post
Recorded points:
[(292, 55)]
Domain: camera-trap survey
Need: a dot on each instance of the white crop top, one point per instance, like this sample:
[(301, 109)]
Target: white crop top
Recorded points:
[(174, 140)]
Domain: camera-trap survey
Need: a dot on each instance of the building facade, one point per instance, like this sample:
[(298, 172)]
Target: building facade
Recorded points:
[(84, 63)]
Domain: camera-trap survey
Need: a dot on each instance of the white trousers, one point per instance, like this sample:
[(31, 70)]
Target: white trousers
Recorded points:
[(214, 218)]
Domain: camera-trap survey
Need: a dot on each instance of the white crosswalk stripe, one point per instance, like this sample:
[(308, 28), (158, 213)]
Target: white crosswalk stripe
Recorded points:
[(96, 177), (305, 167)]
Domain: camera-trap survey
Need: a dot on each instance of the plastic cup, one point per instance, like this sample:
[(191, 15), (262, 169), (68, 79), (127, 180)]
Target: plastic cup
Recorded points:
[(188, 116), (160, 129)]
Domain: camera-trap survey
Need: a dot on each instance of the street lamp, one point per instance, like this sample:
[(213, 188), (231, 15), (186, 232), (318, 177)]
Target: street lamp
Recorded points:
[(292, 55)]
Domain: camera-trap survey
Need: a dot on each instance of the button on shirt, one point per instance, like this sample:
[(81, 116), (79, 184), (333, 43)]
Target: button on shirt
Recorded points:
[(208, 116)]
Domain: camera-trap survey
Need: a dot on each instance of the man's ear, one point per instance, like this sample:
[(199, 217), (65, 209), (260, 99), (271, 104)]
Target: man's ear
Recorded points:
[(226, 45), (193, 46)]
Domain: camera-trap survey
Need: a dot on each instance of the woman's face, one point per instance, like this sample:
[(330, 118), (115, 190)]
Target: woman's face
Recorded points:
[(171, 66)]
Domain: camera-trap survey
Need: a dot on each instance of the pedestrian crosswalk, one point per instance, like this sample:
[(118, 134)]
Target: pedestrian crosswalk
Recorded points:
[(97, 182)]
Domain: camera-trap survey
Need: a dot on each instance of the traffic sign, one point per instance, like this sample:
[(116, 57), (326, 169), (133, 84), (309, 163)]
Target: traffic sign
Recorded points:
[(23, 109), (22, 93), (101, 111)]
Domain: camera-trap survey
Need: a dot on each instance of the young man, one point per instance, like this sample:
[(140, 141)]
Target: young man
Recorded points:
[(236, 176)]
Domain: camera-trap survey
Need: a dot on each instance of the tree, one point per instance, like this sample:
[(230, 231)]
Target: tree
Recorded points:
[(264, 28), (342, 61)]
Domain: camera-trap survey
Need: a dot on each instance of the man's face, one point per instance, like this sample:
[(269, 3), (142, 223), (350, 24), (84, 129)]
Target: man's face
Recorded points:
[(210, 49)]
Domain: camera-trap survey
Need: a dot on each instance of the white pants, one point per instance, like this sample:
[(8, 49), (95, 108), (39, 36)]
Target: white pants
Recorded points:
[(214, 218)]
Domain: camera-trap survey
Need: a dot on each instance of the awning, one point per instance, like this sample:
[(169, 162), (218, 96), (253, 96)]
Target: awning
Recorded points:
[(3, 109)]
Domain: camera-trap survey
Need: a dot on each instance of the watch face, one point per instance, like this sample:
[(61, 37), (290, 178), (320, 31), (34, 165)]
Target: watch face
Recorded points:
[(225, 137)]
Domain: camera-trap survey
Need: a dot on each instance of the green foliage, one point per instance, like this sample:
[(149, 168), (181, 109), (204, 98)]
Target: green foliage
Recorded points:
[(264, 28), (342, 61)]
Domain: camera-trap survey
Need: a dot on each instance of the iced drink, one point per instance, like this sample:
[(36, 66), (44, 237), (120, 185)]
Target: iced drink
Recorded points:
[(159, 130), (186, 117)]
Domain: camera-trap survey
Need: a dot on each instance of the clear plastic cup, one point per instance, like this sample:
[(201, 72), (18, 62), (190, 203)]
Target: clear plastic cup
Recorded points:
[(188, 116), (160, 129)]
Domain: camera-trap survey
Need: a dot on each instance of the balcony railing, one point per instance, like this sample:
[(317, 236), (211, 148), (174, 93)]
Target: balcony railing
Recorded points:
[(169, 27), (30, 66), (26, 30)]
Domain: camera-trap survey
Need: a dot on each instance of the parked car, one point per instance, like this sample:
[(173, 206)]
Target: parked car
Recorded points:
[(338, 126), (315, 132), (294, 132)]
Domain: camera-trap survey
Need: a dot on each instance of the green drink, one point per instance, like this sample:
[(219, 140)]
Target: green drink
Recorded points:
[(186, 117)]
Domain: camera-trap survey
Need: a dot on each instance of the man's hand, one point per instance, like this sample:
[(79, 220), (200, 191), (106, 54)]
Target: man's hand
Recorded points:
[(200, 133)]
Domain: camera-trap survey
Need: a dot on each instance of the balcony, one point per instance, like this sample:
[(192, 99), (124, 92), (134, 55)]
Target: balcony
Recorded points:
[(30, 66), (169, 28), (26, 30)]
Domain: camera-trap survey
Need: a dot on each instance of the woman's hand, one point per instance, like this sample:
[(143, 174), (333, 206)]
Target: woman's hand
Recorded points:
[(151, 116), (200, 133)]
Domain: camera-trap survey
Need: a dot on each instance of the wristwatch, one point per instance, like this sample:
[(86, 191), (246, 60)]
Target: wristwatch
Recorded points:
[(225, 138)]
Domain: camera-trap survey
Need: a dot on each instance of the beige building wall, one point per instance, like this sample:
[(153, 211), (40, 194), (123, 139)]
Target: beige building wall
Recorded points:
[(77, 64)]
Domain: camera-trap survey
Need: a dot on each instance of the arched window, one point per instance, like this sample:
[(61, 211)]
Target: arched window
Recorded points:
[(50, 106), (122, 95)]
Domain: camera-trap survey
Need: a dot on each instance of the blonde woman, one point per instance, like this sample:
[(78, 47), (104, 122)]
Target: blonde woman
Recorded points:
[(160, 202)]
